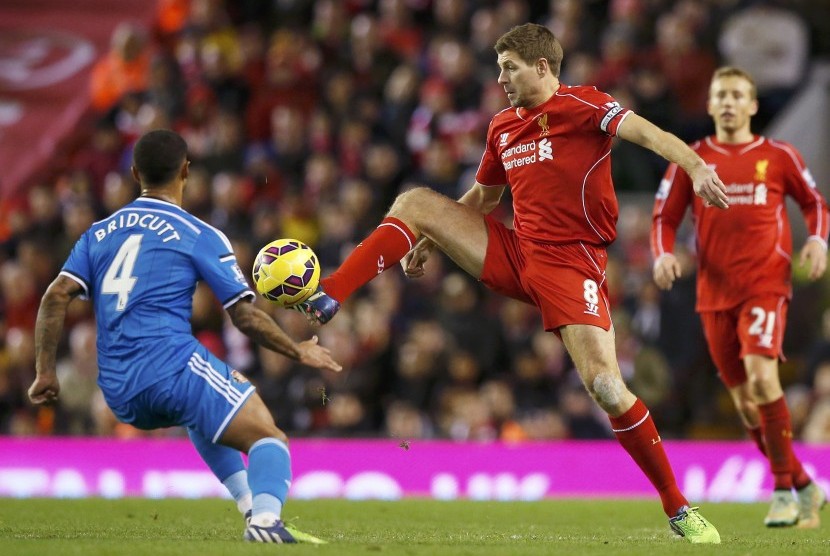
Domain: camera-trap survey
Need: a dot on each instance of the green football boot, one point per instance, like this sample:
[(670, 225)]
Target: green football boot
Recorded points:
[(689, 524)]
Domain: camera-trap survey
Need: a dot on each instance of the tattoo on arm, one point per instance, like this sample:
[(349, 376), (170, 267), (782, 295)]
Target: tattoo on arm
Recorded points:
[(262, 329), (49, 324)]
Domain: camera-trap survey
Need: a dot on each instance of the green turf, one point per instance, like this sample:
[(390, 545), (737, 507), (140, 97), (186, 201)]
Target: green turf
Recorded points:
[(412, 527)]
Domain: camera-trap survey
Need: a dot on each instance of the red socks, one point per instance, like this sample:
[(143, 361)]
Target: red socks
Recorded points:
[(636, 432), (800, 477), (778, 435), (384, 247), (757, 436)]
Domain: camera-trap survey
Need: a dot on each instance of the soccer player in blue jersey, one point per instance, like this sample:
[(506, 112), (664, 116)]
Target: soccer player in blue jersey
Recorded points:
[(140, 267)]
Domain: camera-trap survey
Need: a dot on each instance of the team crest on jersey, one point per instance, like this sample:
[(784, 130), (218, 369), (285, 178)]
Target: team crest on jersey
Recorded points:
[(238, 377), (543, 123), (503, 139), (240, 277), (761, 169)]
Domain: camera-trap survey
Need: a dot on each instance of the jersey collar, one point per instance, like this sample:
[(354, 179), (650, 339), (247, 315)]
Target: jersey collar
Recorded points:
[(530, 113), (154, 201)]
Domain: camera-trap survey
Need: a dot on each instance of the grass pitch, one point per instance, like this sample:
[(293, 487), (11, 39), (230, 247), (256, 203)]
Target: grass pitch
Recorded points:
[(410, 527)]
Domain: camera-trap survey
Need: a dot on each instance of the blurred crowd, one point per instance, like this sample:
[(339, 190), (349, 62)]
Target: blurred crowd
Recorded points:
[(305, 118)]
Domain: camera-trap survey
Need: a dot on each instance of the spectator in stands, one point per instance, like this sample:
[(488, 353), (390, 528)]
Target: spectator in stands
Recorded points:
[(817, 426), (78, 373), (485, 29), (438, 170), (771, 41), (100, 155), (124, 69), (406, 421), (371, 59), (19, 346), (643, 367), (580, 415), (451, 17), (543, 424), (618, 57), (680, 57), (397, 29), (400, 97), (20, 296), (292, 64), (498, 396), (533, 387), (464, 416)]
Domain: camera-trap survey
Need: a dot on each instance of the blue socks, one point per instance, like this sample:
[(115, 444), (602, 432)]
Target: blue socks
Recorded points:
[(237, 485), (263, 487), (226, 463), (269, 476)]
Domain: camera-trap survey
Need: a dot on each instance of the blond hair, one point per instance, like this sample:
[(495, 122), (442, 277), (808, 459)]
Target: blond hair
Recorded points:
[(732, 71)]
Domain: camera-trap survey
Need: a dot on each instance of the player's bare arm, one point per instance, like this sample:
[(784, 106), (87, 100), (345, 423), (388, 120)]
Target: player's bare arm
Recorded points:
[(261, 328), (483, 198), (707, 184), (48, 329), (814, 254), (666, 270)]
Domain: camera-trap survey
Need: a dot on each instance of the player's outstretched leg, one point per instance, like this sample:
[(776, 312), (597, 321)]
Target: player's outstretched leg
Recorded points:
[(811, 499), (689, 524), (320, 307), (383, 248)]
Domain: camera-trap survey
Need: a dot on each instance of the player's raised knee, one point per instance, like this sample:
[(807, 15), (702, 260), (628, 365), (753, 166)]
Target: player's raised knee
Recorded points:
[(412, 199)]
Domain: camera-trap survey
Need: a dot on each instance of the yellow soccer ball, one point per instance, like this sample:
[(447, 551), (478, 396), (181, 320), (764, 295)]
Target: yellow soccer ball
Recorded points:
[(286, 272)]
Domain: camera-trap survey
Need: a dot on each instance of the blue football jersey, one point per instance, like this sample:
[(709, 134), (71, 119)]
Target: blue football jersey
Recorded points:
[(140, 267)]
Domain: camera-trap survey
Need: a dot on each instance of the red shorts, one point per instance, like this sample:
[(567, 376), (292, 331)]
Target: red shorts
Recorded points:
[(756, 327), (566, 282)]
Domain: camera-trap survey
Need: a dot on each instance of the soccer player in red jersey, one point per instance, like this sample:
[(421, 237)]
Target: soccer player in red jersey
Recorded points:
[(743, 281), (552, 148)]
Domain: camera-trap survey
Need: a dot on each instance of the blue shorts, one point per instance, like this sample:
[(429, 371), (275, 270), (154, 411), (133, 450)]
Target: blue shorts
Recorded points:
[(204, 396)]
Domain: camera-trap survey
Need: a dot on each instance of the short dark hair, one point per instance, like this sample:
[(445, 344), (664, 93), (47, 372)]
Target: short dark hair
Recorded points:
[(158, 156), (532, 41)]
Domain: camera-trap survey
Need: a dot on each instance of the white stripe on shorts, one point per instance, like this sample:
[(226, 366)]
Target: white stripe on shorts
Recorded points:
[(232, 414), (216, 381)]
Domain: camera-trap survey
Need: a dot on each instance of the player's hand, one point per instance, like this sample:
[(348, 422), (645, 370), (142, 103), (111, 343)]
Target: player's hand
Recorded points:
[(315, 355), (413, 262), (44, 390), (666, 270), (814, 253), (709, 187)]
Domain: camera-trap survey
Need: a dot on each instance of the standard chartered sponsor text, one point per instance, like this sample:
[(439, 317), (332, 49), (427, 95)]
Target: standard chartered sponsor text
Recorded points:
[(519, 149)]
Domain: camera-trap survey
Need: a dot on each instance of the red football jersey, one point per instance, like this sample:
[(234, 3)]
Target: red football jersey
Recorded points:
[(556, 160), (745, 250)]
